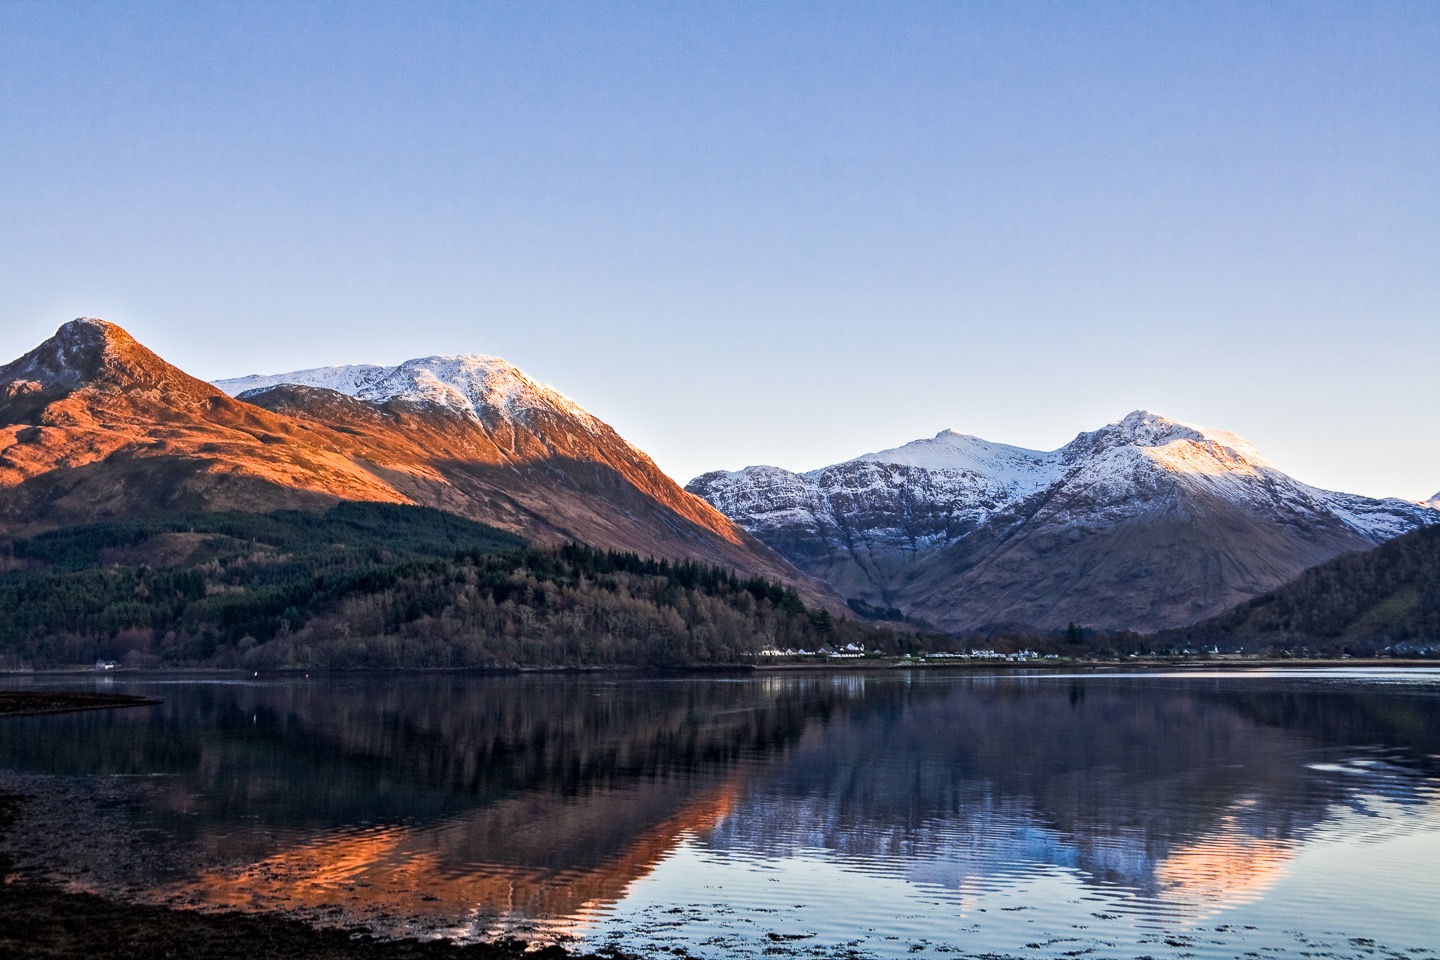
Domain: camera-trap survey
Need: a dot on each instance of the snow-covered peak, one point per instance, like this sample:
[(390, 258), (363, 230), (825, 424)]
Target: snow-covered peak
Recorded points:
[(1170, 444), (1434, 502), (1014, 467), (474, 384), (751, 472), (890, 527), (1109, 457), (1141, 428), (1140, 437)]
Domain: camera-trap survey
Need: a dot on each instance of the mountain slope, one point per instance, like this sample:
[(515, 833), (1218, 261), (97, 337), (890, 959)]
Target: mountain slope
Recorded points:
[(92, 424), (1144, 524), (1379, 598)]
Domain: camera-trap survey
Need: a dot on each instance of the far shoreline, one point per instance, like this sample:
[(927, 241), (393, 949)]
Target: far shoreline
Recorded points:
[(29, 703), (787, 665)]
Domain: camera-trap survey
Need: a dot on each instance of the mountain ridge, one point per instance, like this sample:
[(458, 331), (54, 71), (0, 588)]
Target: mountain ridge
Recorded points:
[(477, 384), (93, 424), (1143, 524)]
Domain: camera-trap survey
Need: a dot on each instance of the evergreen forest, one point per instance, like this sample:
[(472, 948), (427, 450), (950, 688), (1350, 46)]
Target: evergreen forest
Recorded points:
[(369, 585)]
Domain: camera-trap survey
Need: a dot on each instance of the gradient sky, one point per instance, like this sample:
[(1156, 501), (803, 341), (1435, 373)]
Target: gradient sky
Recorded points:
[(763, 233)]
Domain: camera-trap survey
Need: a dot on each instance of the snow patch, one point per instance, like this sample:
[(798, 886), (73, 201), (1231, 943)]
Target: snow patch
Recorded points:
[(1013, 467), (1141, 428), (958, 481), (476, 385)]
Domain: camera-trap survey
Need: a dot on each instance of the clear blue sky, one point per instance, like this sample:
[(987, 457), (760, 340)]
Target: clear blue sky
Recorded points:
[(769, 233)]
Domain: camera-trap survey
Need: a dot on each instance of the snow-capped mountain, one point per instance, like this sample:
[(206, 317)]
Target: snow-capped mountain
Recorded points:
[(93, 424), (1014, 467), (1111, 460), (486, 388), (1143, 524)]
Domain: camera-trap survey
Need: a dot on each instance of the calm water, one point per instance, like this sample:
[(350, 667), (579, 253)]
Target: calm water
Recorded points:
[(862, 815)]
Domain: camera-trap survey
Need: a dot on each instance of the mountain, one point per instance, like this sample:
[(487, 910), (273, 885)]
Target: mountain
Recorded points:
[(1144, 524), (94, 425), (1368, 601), (499, 446)]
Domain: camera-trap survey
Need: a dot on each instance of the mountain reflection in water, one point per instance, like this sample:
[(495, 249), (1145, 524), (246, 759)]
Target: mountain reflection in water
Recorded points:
[(471, 806)]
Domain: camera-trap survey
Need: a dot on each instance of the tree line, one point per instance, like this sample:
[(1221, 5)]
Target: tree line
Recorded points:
[(376, 586)]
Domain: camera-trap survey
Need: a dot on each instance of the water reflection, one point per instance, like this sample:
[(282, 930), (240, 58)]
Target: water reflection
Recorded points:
[(1156, 787), (1096, 807), (466, 863)]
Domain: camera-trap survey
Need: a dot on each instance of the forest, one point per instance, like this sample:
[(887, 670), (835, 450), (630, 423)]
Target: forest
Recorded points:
[(368, 585), (378, 586), (1380, 601)]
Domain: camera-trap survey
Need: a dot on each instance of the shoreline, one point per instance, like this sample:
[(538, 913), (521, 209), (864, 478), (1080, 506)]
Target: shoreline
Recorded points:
[(27, 703), (1115, 666), (1127, 665)]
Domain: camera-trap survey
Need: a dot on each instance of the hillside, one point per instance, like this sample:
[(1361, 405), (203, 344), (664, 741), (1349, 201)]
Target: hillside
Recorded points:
[(377, 585), (94, 425), (1385, 598)]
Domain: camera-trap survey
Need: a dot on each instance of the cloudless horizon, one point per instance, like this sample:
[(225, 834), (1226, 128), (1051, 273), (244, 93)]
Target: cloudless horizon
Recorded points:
[(763, 233)]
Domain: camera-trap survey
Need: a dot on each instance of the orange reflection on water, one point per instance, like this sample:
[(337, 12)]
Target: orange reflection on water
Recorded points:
[(1228, 868), (488, 863)]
